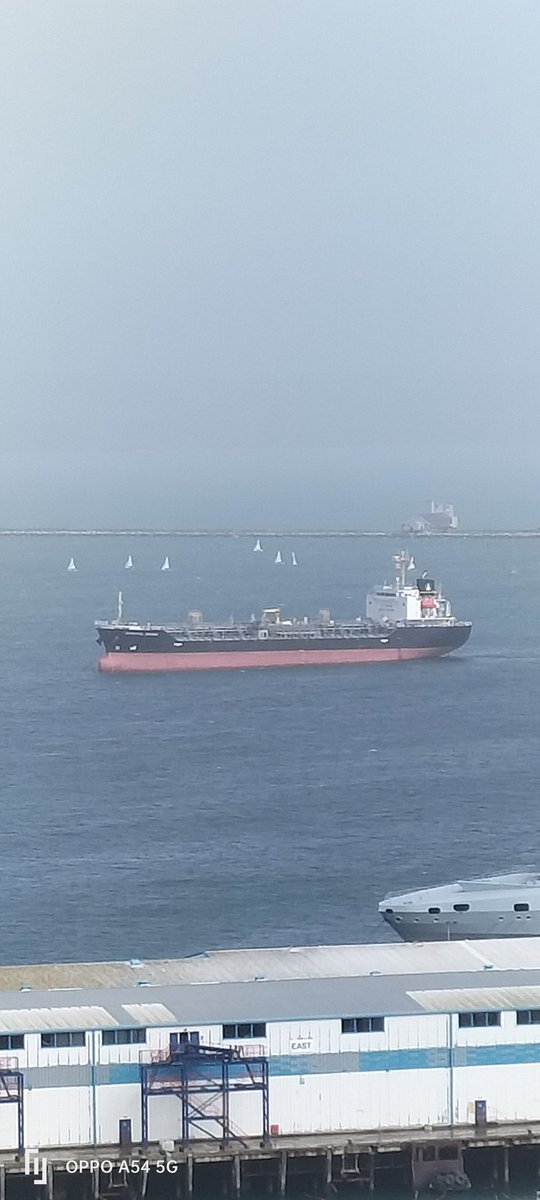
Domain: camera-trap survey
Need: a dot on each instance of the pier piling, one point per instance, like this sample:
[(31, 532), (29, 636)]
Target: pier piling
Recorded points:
[(506, 1165), (329, 1168), (496, 1154), (283, 1172)]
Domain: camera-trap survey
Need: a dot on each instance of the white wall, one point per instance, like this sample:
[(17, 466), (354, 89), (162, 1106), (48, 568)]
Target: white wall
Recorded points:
[(316, 1096), (58, 1116)]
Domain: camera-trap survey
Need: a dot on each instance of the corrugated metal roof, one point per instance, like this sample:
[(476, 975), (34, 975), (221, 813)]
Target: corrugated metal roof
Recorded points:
[(509, 954), (266, 985), (290, 962), (39, 1019), (478, 999), (150, 1014)]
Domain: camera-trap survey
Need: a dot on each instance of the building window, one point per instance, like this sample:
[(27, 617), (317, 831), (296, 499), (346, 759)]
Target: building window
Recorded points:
[(521, 907), (362, 1024), (12, 1041), (122, 1037), (478, 1020), (529, 1016), (246, 1029), (53, 1041), (187, 1037), (461, 907)]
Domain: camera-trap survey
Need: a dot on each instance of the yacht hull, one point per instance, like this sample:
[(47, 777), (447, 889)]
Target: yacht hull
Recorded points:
[(490, 907), (416, 927)]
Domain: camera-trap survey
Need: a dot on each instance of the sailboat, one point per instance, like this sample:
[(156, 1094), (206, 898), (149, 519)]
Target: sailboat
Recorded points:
[(129, 563), (257, 549), (72, 565), (278, 558), (166, 565), (293, 559)]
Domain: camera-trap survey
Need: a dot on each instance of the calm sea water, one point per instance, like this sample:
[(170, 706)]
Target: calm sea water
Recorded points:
[(163, 815)]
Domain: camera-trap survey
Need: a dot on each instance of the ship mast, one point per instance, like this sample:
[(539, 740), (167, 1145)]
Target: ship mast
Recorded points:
[(401, 562)]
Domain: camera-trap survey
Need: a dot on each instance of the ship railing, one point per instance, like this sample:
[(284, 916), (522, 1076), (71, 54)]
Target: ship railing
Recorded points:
[(254, 1050), (155, 1056), (162, 1055)]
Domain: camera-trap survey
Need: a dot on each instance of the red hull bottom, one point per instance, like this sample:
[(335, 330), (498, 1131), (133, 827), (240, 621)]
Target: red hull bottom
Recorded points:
[(228, 660)]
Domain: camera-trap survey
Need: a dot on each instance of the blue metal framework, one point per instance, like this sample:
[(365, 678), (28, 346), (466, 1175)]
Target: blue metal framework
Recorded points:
[(198, 1075), (12, 1092)]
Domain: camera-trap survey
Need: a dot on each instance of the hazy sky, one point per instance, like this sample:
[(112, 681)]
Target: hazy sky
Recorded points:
[(269, 261)]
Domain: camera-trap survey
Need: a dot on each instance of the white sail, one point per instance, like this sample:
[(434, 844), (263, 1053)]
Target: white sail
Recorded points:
[(257, 549), (72, 565), (129, 562), (278, 558), (293, 559), (412, 565), (166, 566)]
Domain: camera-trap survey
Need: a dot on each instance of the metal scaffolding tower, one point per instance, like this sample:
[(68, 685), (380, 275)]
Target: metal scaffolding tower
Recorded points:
[(204, 1078), (12, 1092)]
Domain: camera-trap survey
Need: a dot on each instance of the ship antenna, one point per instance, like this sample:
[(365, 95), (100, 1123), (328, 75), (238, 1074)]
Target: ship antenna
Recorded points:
[(401, 562), (120, 606)]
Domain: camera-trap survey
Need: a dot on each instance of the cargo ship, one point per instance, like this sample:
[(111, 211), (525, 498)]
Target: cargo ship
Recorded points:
[(403, 621)]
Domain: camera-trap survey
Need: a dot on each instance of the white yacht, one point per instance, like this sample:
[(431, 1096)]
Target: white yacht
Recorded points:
[(496, 906)]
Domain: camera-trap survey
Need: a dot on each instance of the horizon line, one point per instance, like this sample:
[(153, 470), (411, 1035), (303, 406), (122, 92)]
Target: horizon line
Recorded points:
[(274, 533)]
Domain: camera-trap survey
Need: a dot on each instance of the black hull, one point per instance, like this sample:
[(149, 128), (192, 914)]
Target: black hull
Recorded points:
[(160, 648)]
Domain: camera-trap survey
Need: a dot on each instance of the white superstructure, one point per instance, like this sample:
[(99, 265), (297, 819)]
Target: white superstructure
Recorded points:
[(417, 600), (495, 906), (355, 1037)]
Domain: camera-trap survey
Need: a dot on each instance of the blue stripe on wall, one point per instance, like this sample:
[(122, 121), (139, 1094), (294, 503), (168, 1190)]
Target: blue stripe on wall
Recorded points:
[(496, 1056), (365, 1061), (403, 1060), (118, 1073), (462, 1056)]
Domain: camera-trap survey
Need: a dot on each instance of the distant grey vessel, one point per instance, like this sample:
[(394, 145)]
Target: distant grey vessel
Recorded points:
[(495, 906)]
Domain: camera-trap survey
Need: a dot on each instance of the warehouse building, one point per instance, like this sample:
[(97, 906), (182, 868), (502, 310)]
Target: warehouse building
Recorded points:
[(263, 1043)]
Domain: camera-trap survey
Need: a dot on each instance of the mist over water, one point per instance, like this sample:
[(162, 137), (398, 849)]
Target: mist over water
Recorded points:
[(164, 815)]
